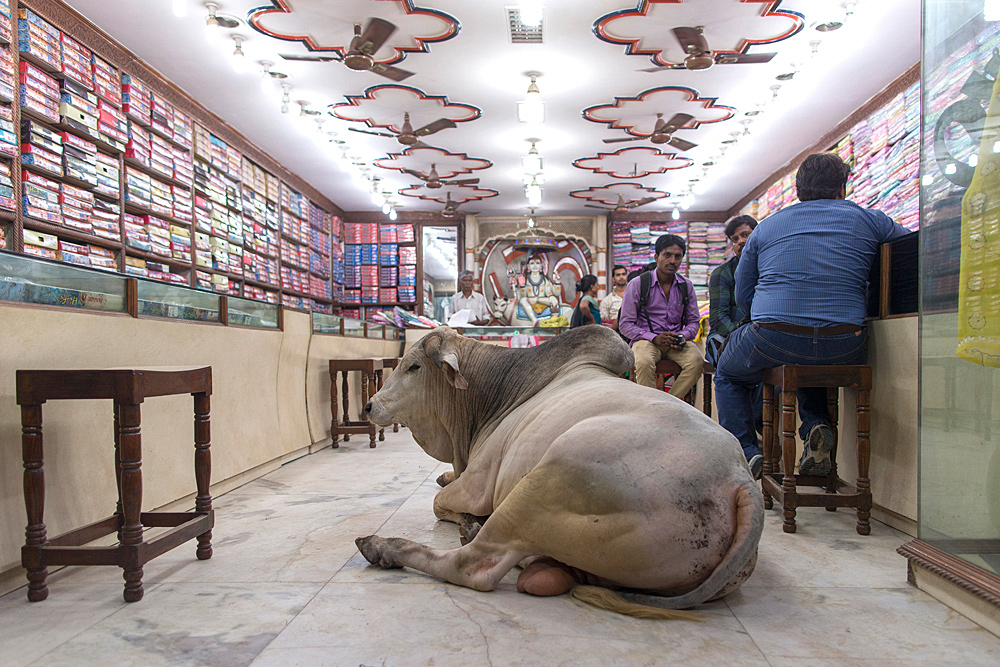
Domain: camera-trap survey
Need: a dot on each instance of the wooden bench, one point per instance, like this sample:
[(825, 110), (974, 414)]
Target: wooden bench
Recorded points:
[(368, 369)]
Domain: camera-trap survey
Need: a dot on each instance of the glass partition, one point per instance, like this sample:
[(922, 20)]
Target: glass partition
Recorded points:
[(31, 280), (440, 264), (180, 303), (391, 333), (376, 330), (326, 324), (354, 328), (248, 313), (538, 334), (960, 282)]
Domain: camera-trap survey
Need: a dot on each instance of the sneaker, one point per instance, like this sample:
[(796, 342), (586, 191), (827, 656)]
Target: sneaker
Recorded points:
[(756, 464), (816, 455)]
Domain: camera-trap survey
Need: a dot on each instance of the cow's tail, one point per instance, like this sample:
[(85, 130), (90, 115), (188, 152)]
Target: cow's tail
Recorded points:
[(749, 526)]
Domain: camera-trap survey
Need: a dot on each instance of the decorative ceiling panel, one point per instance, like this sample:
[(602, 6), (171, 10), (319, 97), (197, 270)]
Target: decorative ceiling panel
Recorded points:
[(731, 26), (328, 25), (637, 115), (447, 164), (384, 106), (635, 162), (457, 193), (612, 193)]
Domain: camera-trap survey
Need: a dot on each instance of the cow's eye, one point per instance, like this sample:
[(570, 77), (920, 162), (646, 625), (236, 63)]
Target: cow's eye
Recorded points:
[(414, 367)]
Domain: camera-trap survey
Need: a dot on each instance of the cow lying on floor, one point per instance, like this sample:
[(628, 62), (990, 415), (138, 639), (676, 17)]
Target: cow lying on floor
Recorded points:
[(598, 480)]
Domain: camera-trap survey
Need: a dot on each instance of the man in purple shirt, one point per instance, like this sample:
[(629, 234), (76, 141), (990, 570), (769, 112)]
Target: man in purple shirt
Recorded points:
[(664, 321)]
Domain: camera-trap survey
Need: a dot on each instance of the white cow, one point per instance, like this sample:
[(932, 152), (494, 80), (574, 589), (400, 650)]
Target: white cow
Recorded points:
[(597, 480)]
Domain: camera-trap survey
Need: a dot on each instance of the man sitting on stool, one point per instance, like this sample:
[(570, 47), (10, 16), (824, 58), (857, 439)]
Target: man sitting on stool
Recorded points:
[(802, 277), (662, 319), (465, 298)]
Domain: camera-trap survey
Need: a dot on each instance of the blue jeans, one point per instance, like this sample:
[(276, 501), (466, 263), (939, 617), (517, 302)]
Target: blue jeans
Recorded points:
[(750, 350)]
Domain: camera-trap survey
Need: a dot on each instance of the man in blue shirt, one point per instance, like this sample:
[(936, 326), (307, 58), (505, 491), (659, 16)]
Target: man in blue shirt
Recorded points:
[(663, 322), (802, 277)]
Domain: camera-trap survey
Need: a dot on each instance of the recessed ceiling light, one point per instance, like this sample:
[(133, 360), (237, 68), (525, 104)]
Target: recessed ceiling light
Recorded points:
[(828, 26), (755, 112), (787, 76)]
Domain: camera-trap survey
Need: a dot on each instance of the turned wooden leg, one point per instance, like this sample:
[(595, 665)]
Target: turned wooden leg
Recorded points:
[(864, 454), (34, 502), (118, 466), (378, 387), (203, 467), (131, 461), (334, 423), (346, 389), (766, 437), (660, 380), (367, 389), (833, 408), (788, 458), (706, 394)]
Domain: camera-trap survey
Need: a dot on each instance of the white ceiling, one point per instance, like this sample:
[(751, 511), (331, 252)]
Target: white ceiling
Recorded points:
[(480, 68)]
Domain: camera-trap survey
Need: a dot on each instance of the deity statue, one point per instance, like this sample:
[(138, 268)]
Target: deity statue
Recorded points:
[(536, 296)]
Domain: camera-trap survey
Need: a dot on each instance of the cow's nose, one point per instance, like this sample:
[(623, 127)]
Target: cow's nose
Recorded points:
[(368, 408)]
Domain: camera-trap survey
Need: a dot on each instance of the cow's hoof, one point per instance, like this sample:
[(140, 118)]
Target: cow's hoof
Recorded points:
[(446, 478), (468, 531), (375, 550)]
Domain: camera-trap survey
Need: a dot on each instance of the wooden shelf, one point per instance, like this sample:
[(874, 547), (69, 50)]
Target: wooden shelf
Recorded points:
[(304, 295), (41, 171), (257, 283), (152, 173), (153, 257), (163, 135), (136, 209), (381, 304), (69, 233)]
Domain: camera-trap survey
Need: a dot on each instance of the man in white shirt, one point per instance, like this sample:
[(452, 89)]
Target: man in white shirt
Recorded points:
[(613, 301), (466, 299)]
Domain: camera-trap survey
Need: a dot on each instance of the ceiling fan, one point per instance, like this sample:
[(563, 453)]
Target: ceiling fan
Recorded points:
[(362, 47), (410, 137), (701, 57), (451, 207), (432, 181), (663, 132), (622, 207)]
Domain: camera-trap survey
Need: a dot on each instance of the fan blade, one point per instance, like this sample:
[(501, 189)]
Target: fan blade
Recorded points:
[(312, 59), (600, 207), (616, 141), (416, 174), (681, 144), (679, 120), (419, 144), (661, 68), (375, 35), (377, 134), (389, 72), (641, 202), (692, 40), (436, 126), (464, 181), (744, 58)]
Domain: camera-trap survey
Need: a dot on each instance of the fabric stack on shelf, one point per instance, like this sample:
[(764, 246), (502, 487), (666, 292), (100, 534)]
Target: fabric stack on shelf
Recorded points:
[(642, 251), (621, 244), (697, 258), (717, 245)]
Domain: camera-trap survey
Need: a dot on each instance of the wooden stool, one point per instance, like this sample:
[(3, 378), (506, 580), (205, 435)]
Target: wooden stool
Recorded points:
[(784, 486), (368, 369), (127, 389), (391, 364), (665, 367)]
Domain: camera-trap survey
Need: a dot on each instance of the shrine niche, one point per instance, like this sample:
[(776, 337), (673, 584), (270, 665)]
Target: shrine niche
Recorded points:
[(531, 275)]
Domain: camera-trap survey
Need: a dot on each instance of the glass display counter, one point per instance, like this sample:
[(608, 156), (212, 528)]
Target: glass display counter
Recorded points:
[(39, 281), (158, 299), (327, 324), (959, 515), (249, 313), (354, 328), (505, 333)]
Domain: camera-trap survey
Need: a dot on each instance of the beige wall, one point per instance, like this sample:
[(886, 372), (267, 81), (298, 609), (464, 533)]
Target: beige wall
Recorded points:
[(270, 400)]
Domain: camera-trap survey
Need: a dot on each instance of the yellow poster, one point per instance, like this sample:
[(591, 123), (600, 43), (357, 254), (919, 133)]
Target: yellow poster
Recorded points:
[(979, 279)]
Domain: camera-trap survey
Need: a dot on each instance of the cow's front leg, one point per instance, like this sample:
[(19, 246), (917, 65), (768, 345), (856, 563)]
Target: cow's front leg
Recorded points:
[(480, 564)]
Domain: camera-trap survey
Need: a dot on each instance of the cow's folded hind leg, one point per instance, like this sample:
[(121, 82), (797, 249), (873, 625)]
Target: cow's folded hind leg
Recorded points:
[(480, 564)]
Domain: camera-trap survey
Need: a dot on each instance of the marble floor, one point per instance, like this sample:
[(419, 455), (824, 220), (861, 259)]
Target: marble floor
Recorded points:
[(286, 586)]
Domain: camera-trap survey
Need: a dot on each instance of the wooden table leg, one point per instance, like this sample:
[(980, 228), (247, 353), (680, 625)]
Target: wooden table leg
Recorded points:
[(131, 460), (766, 438), (118, 466), (334, 423), (788, 458), (346, 389), (367, 389), (864, 453), (203, 467), (378, 388), (34, 501)]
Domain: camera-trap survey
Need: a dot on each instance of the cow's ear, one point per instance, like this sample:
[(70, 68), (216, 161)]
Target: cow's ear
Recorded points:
[(449, 364)]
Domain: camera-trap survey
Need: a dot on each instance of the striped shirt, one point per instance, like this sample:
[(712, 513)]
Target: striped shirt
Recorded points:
[(808, 264)]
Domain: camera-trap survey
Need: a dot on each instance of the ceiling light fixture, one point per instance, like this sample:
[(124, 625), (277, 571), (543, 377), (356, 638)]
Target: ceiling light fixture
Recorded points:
[(532, 162), (392, 213), (676, 215), (532, 110), (285, 97), (534, 193), (814, 45), (991, 10), (386, 207), (212, 22), (180, 8), (530, 12), (531, 218), (774, 92), (239, 57), (746, 127)]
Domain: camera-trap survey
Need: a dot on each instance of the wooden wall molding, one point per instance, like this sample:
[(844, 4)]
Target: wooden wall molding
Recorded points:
[(963, 574), (667, 216), (883, 97), (104, 45)]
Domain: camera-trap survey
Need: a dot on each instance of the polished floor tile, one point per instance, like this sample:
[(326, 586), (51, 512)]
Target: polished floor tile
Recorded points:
[(286, 587)]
